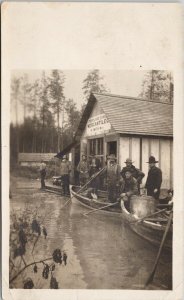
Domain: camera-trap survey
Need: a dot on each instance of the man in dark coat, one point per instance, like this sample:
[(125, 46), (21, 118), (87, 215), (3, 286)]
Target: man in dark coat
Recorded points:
[(154, 179), (83, 169), (94, 167), (113, 178), (136, 173)]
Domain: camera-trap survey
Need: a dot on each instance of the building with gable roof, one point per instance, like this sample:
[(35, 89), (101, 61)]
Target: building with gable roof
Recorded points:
[(128, 127)]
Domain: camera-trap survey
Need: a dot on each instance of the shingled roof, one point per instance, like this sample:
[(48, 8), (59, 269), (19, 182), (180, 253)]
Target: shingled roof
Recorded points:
[(130, 115)]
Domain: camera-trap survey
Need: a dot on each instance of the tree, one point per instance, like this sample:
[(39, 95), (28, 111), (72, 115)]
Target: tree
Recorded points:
[(158, 86), (45, 113), (92, 84), (56, 88), (73, 118)]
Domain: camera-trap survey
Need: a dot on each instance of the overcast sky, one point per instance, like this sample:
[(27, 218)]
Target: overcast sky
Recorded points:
[(120, 82)]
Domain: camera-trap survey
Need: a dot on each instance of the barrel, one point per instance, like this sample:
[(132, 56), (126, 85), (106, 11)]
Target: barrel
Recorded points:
[(142, 206)]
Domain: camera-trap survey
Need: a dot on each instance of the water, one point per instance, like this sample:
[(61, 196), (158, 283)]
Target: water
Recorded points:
[(103, 253)]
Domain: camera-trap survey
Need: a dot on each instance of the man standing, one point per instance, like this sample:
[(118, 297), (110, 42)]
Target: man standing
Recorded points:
[(42, 174), (113, 177), (129, 187), (136, 173), (83, 169), (65, 169), (94, 167), (154, 179)]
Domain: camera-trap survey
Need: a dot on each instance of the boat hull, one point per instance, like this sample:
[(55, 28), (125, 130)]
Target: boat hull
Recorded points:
[(93, 204), (150, 231)]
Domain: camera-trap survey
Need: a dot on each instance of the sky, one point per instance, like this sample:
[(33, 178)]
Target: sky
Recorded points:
[(120, 82)]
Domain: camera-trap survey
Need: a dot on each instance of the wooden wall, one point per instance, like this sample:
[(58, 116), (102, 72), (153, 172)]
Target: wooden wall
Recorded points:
[(139, 150)]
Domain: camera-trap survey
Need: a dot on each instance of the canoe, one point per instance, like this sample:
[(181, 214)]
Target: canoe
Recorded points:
[(91, 204), (149, 230)]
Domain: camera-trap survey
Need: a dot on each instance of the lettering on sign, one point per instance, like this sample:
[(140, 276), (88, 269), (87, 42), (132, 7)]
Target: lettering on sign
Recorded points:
[(98, 125)]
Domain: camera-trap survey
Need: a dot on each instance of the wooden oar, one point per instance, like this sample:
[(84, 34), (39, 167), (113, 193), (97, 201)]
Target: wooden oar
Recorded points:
[(151, 215), (91, 179), (150, 278), (96, 209)]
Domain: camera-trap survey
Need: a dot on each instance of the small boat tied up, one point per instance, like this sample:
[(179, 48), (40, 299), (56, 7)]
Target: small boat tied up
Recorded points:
[(142, 213)]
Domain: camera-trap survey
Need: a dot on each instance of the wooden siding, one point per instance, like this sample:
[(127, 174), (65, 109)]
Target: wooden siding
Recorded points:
[(145, 155), (154, 148), (136, 152), (160, 148), (124, 150), (165, 163)]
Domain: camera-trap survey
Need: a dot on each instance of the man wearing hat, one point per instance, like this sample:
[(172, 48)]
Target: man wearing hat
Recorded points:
[(83, 169), (113, 177), (154, 179), (65, 169), (136, 173), (129, 187)]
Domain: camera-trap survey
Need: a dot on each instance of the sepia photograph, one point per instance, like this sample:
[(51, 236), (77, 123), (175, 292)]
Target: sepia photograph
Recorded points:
[(91, 179), (92, 151)]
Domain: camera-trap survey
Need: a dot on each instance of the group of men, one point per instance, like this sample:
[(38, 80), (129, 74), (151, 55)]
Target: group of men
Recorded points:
[(120, 183)]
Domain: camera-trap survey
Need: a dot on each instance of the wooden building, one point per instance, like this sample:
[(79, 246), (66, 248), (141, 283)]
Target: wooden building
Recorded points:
[(128, 127), (34, 159)]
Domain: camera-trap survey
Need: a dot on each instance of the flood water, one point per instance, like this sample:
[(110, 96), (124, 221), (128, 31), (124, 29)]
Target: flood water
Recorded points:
[(103, 253)]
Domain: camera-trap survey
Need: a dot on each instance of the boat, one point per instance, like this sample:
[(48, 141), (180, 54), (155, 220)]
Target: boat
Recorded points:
[(95, 204), (151, 231), (148, 229)]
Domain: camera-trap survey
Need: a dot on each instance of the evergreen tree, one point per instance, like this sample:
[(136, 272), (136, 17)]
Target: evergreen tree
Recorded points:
[(158, 86), (56, 88), (74, 116), (92, 84)]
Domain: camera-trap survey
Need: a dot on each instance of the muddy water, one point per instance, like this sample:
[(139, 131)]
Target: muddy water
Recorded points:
[(103, 253)]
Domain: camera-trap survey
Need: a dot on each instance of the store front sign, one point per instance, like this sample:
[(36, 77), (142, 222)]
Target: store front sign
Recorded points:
[(97, 125)]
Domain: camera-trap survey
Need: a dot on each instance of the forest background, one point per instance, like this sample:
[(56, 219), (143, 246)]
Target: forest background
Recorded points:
[(49, 118)]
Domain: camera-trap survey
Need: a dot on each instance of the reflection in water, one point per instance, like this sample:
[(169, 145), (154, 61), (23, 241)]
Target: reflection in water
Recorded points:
[(103, 253)]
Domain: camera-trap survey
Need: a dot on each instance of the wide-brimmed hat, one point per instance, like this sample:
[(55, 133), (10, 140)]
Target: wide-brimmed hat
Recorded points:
[(112, 156), (128, 160), (152, 160)]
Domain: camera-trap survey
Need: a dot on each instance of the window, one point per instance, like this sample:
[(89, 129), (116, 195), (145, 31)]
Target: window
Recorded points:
[(96, 147)]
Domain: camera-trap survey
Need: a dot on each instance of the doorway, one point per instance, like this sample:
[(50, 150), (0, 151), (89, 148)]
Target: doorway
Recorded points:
[(112, 148)]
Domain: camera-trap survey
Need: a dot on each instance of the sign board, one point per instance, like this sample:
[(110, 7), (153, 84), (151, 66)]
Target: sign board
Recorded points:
[(97, 125)]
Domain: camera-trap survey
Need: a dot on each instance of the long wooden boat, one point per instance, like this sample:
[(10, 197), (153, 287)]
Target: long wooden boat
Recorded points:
[(93, 203), (149, 230)]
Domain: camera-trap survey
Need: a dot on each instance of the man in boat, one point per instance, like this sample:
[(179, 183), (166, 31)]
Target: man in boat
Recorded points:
[(83, 169), (129, 187), (113, 178), (94, 167), (42, 174), (65, 169), (154, 179), (136, 173)]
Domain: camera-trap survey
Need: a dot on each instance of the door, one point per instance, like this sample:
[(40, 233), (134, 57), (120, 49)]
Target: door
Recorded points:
[(112, 148)]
